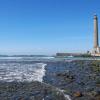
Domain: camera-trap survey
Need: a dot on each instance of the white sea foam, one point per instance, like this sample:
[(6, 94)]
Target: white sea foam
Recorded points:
[(67, 97), (22, 72)]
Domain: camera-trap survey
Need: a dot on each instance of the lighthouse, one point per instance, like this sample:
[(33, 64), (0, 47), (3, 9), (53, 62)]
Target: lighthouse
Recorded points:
[(96, 42), (96, 49)]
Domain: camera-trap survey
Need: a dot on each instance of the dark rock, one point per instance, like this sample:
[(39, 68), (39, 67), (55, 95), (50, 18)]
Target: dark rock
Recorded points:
[(81, 83), (78, 94), (66, 76), (97, 93), (32, 98)]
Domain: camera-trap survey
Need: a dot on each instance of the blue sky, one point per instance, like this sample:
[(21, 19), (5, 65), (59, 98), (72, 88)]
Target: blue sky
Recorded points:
[(47, 26)]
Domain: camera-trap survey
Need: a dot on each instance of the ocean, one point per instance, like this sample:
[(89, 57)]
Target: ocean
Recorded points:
[(21, 69), (28, 68)]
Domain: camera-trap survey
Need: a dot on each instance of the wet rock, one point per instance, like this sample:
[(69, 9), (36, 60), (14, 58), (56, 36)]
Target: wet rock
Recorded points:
[(78, 94), (88, 89), (81, 83), (97, 94), (98, 82), (94, 94), (32, 98), (65, 75), (70, 77), (48, 97), (29, 91), (36, 93)]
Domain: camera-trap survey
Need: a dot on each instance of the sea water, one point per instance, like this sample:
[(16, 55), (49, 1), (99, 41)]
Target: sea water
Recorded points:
[(27, 68), (18, 69)]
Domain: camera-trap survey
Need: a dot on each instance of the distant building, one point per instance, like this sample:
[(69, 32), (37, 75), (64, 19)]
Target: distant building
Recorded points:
[(68, 54)]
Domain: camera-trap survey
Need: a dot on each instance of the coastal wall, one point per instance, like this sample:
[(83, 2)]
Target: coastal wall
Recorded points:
[(68, 54)]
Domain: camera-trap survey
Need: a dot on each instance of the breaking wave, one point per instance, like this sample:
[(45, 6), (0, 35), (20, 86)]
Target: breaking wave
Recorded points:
[(22, 72)]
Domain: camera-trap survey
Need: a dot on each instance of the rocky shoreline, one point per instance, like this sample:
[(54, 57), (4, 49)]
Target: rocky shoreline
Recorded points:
[(78, 79), (29, 91)]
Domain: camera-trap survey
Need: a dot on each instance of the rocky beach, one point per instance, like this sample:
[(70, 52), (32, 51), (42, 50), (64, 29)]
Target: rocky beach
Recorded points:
[(79, 79), (61, 80)]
